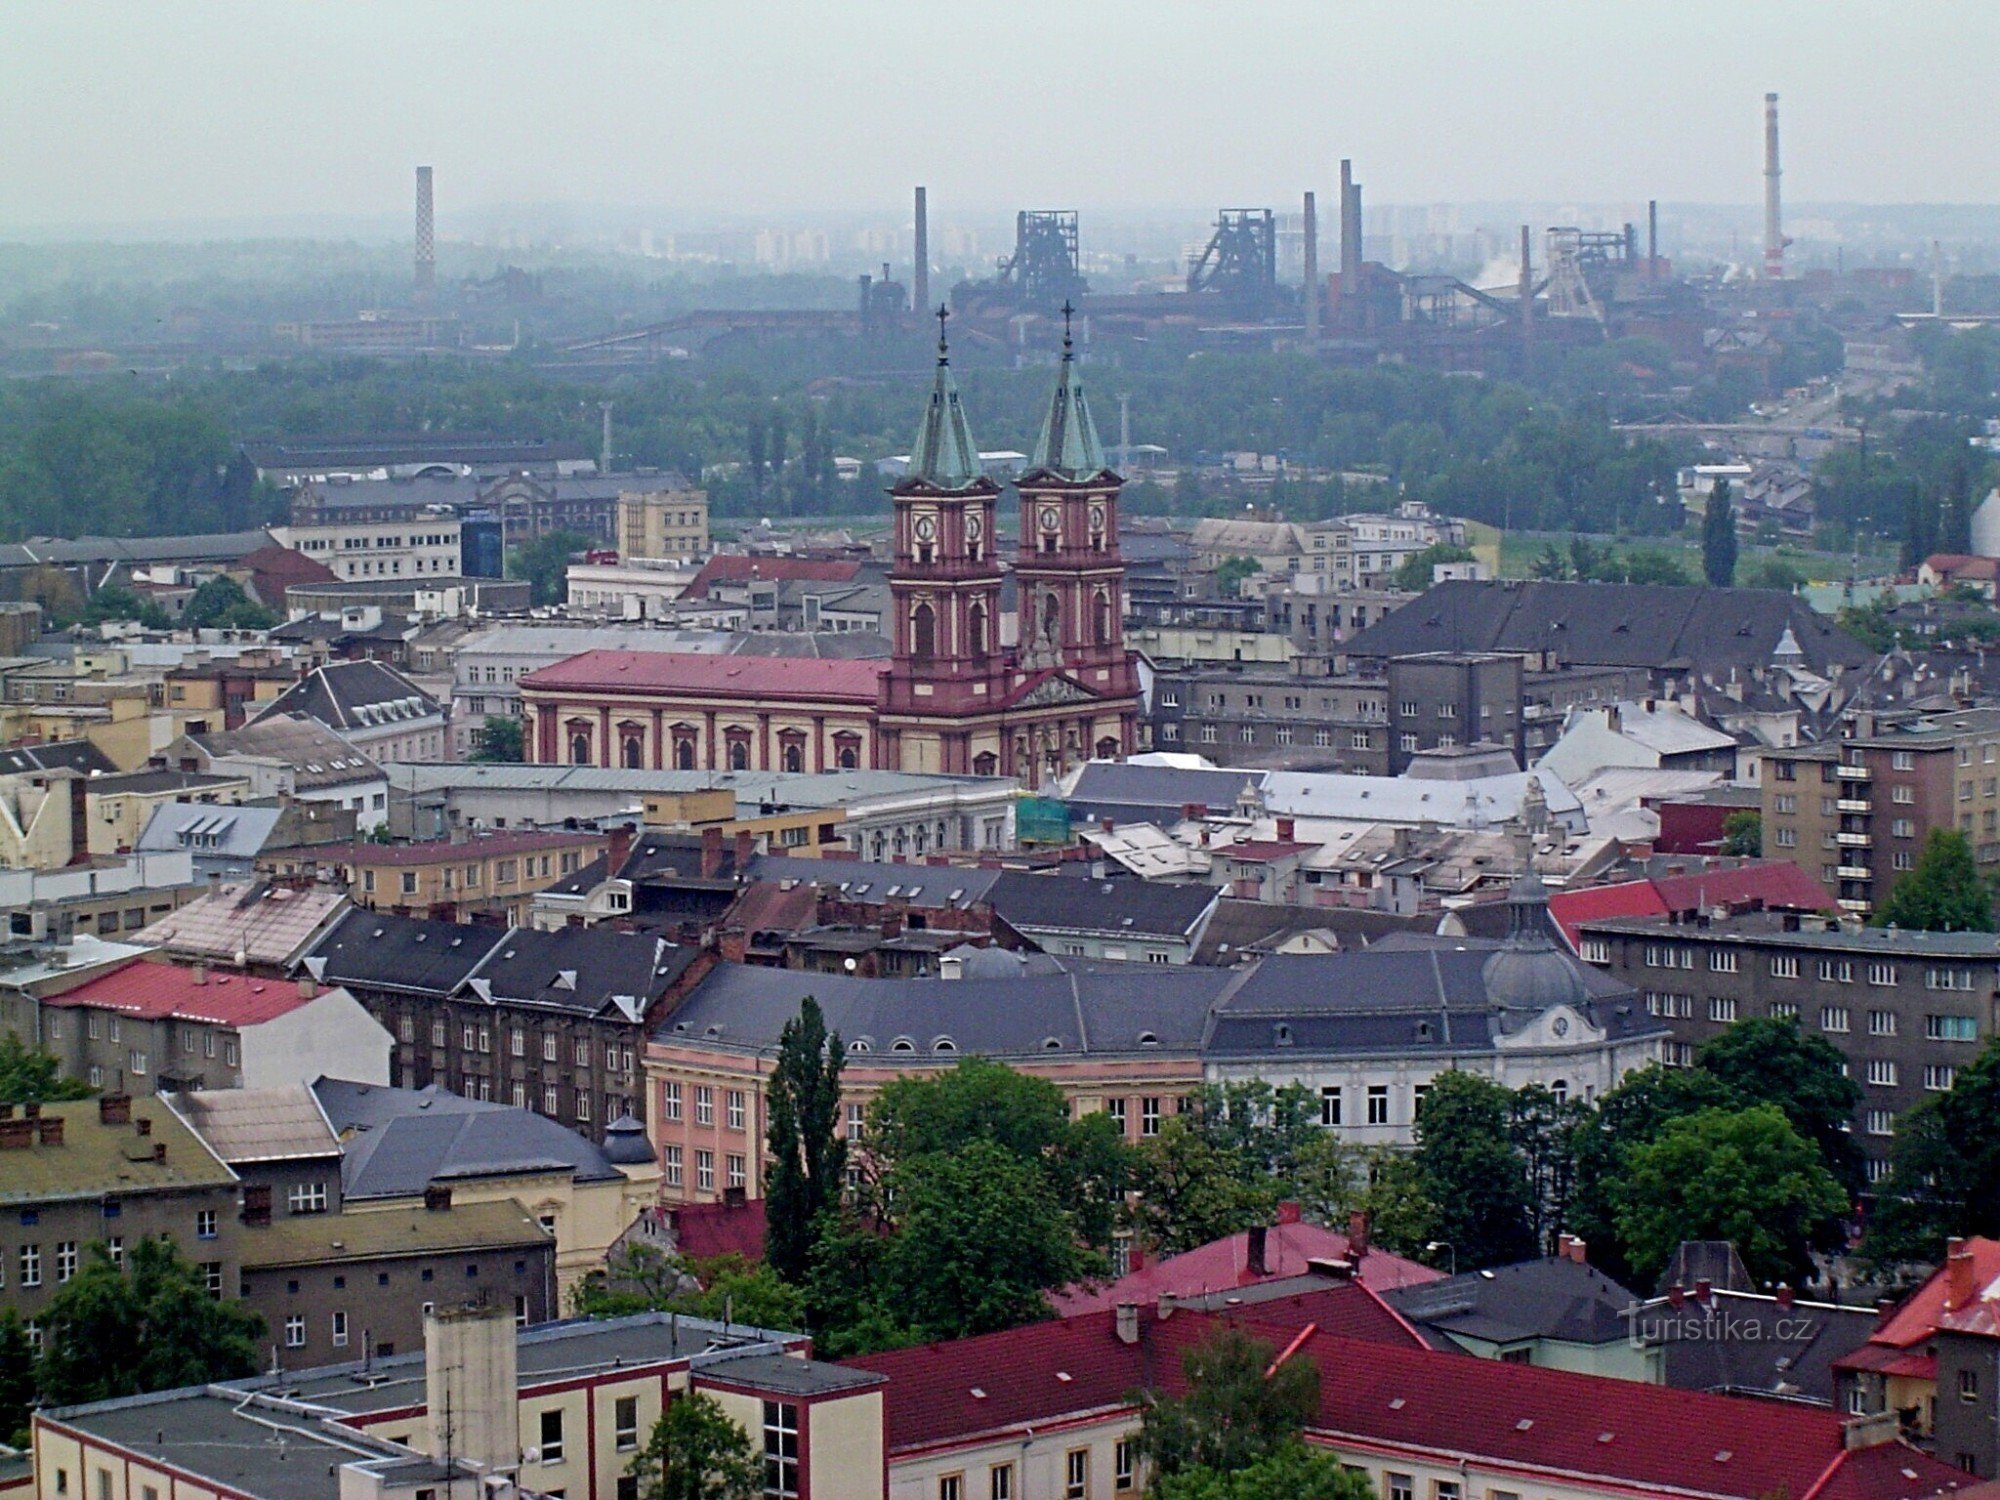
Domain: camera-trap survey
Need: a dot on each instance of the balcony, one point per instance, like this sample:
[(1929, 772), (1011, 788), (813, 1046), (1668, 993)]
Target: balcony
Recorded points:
[(1854, 872), (1859, 908), (1854, 840), (1854, 805), (1850, 773)]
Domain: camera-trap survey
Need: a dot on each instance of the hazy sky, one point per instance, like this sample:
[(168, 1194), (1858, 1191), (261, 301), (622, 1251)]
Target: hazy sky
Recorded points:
[(115, 111)]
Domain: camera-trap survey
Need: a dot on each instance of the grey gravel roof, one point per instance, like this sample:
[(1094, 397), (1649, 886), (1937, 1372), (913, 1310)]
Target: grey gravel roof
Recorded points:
[(398, 1141), (1082, 1008)]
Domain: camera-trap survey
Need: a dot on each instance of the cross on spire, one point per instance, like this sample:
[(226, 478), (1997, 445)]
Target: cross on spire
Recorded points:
[(944, 348), (1067, 312)]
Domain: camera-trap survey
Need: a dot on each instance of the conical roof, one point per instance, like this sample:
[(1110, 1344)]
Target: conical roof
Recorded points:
[(1068, 445), (945, 454)]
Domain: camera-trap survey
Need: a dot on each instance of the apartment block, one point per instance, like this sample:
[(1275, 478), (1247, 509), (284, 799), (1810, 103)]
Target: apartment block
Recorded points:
[(667, 521)]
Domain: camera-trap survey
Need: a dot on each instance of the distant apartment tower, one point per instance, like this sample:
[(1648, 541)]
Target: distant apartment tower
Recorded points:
[(668, 521), (1854, 813)]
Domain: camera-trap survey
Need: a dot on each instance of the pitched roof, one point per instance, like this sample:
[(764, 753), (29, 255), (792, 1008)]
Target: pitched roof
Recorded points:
[(258, 1125), (1067, 447), (210, 828), (1623, 624), (590, 970), (1918, 1316), (95, 1159), (352, 696), (443, 851), (379, 950), (1759, 885), (944, 456), (1135, 908), (316, 1239), (919, 885), (273, 569), (753, 677), (734, 567), (81, 756), (1553, 1298), (1224, 1265), (399, 1141), (319, 758), (257, 923), (158, 991)]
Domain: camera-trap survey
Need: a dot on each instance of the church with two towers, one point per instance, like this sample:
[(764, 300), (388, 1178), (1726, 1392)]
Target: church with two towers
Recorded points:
[(951, 697)]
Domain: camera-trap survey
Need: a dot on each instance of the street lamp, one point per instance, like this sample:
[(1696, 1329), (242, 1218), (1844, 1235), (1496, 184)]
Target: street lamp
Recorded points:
[(1436, 1245)]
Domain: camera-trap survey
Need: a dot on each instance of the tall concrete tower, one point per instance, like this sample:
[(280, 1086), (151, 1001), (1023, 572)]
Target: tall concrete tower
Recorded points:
[(426, 267), (1774, 233), (920, 258), (1314, 292)]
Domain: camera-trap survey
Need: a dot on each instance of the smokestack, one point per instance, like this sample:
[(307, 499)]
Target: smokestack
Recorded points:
[(1652, 239), (1937, 279), (1527, 292), (426, 271), (1312, 270), (920, 257), (604, 443), (1350, 231), (1774, 234)]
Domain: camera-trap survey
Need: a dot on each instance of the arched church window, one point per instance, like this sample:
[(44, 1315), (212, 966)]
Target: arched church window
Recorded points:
[(795, 758), (739, 755), (1100, 619), (684, 755), (849, 758), (1051, 619), (579, 749), (632, 752), (975, 629), (923, 633)]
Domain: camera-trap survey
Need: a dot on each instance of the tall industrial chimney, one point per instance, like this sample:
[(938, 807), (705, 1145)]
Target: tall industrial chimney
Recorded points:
[(1774, 233), (1526, 294), (604, 448), (920, 255), (1350, 232), (1313, 289), (1652, 239), (426, 269)]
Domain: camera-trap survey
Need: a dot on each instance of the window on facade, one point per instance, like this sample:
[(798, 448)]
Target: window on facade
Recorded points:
[(295, 1331), (670, 1101), (552, 1436), (734, 1172), (1329, 1107), (1149, 1116), (1125, 1465), (1833, 1018), (1378, 1104), (339, 1330), (855, 1120), (1722, 1008), (65, 1260), (307, 1198), (1076, 1474), (1784, 966), (670, 1165), (704, 1104), (1882, 1072), (1939, 1077), (781, 1450), (1879, 1122), (1950, 1029), (551, 1100), (733, 1108), (704, 1171), (625, 1423), (204, 1224)]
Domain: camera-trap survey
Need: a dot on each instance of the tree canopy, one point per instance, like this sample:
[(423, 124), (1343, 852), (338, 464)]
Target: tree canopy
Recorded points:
[(1944, 1177), (808, 1154), (696, 1451), (1718, 538), (1473, 1171), (1237, 1410), (28, 1076), (500, 739), (1771, 1060), (1944, 893)]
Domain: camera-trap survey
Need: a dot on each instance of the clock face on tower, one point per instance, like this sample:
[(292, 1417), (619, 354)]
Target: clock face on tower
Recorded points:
[(1051, 518), (1096, 518), (925, 528), (974, 527)]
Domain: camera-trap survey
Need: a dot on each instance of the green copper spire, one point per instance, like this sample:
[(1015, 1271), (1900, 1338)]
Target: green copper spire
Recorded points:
[(945, 454), (1068, 446)]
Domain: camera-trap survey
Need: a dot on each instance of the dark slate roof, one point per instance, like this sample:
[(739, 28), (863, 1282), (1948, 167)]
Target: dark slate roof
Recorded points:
[(1403, 996), (585, 969), (1132, 1009), (870, 880), (382, 951), (353, 695), (1127, 793), (157, 781), (1740, 1343), (1613, 624), (1136, 908), (654, 856), (1534, 1299), (80, 756), (398, 1141)]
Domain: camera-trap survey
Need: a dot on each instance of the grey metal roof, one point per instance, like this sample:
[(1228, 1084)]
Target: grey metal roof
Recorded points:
[(1111, 788), (257, 1125), (352, 696), (398, 1141), (382, 951), (240, 831), (1133, 1009), (81, 756), (1535, 1299), (590, 970), (1135, 908)]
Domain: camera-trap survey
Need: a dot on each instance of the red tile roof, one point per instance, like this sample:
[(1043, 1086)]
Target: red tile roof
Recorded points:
[(1223, 1265), (155, 991), (274, 569), (1918, 1316), (1516, 1419), (755, 677), (703, 1230), (1766, 885), (736, 569)]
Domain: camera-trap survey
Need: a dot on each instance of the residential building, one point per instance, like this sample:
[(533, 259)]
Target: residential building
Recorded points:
[(146, 1027), (1855, 813), (278, 1142), (43, 824), (370, 706), (1906, 1009), (640, 588), (223, 839), (220, 693), (1649, 735), (257, 928), (1556, 1312), (383, 528), (1742, 1342), (104, 897), (121, 806), (108, 1171), (1275, 719), (403, 1147), (291, 756), (1134, 920), (487, 877), (662, 517), (554, 1022), (577, 1398)]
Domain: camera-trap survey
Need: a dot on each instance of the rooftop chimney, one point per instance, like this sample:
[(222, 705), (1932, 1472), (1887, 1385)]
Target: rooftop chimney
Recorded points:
[(1289, 1211), (1287, 830), (470, 1370), (16, 1135), (1704, 1289), (711, 852), (618, 850), (1357, 1234), (50, 1128), (1128, 1322), (1774, 234), (1166, 1306), (1786, 1297), (746, 845), (1675, 1295), (114, 1109), (437, 1197), (1259, 1251), (1958, 1288)]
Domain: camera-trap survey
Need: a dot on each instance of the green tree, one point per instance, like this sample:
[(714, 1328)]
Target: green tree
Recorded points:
[(1542, 1130), (221, 604), (544, 562), (1943, 893), (28, 1076), (500, 740), (1944, 1176), (1745, 1176), (116, 602), (1472, 1172), (156, 1311), (1230, 573), (641, 1278), (697, 1452), (1237, 1409), (1718, 538), (1629, 1116), (17, 1379), (1191, 1191), (808, 1154), (1769, 1060), (1294, 1471), (1776, 573), (1743, 834)]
